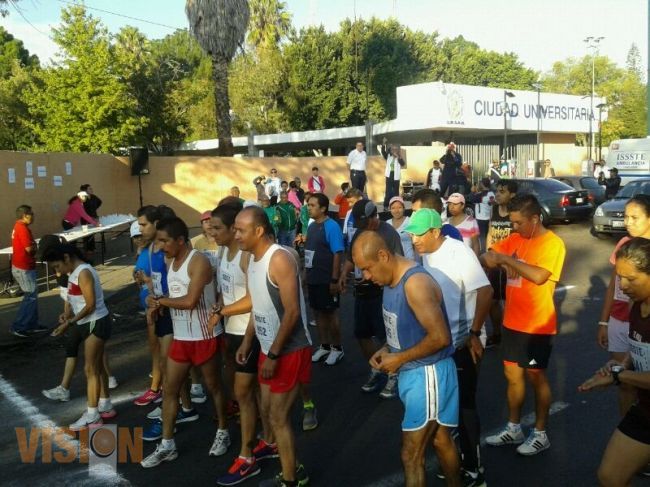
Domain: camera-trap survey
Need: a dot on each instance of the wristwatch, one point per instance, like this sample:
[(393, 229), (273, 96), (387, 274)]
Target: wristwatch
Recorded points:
[(272, 355), (615, 370), (476, 333)]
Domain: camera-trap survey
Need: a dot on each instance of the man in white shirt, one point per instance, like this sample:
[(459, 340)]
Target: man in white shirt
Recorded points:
[(273, 186), (357, 162)]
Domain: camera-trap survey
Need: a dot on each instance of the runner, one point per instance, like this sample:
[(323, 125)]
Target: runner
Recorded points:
[(280, 323), (628, 450), (419, 349), (399, 222), (87, 319), (191, 296), (428, 198), (533, 257), (467, 295), (464, 223)]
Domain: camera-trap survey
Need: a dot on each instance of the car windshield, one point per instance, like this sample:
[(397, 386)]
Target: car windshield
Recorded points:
[(635, 187)]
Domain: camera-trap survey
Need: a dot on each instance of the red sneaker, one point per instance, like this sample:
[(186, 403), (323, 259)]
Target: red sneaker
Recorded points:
[(147, 398), (265, 450)]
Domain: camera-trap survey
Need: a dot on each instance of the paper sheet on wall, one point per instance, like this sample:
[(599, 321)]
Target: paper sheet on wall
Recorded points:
[(57, 180), (11, 173), (41, 171), (68, 168), (29, 183), (28, 168)]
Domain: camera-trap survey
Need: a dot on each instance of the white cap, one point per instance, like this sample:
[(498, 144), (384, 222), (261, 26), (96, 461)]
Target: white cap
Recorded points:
[(248, 203), (135, 229), (83, 194)]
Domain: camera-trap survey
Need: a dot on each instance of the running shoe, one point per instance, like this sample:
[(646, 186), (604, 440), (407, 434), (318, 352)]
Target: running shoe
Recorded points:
[(58, 393), (86, 421), (19, 334), (334, 356), (390, 389), (112, 382), (264, 450), (374, 381), (109, 413), (239, 471), (472, 479), (507, 436), (309, 419), (302, 479), (155, 414), (197, 394), (220, 444), (536, 442), (153, 432), (645, 471), (321, 353), (186, 417), (160, 455), (147, 398)]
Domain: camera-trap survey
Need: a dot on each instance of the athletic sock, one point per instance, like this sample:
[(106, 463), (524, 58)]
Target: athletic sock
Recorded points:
[(92, 412), (514, 426), (249, 460), (196, 388), (185, 410), (168, 444), (104, 404)]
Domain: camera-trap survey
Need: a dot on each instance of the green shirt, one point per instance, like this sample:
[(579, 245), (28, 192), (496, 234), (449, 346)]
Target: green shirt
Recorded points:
[(304, 219), (288, 214), (274, 217)]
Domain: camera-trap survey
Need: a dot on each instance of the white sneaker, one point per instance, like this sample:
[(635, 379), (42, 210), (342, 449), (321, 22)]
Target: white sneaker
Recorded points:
[(112, 382), (220, 444), (320, 354), (160, 455), (58, 393), (334, 357), (85, 421), (536, 442), (155, 414), (197, 394), (390, 389), (507, 436)]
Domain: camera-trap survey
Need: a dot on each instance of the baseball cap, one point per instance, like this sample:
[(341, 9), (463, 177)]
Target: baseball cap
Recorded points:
[(249, 203), (394, 199), (456, 198), (206, 215), (362, 211), (423, 220), (135, 229), (83, 194)]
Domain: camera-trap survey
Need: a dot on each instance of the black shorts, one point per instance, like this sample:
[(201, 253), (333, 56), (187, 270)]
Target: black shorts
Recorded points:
[(527, 350), (77, 334), (164, 325), (498, 278), (233, 342), (467, 378), (320, 298), (636, 424), (368, 318)]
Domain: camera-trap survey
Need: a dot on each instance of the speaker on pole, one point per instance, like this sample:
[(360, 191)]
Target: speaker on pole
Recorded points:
[(139, 159)]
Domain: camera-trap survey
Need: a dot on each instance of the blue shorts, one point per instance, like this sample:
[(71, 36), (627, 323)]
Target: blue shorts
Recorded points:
[(429, 393)]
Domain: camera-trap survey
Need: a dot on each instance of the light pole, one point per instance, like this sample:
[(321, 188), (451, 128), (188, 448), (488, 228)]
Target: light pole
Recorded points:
[(506, 94), (600, 107), (592, 43), (538, 87)]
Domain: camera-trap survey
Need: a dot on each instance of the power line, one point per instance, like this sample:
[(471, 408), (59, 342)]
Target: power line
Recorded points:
[(119, 15), (17, 9)]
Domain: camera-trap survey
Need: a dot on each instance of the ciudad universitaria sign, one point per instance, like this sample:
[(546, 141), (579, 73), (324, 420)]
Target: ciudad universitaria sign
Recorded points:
[(451, 106)]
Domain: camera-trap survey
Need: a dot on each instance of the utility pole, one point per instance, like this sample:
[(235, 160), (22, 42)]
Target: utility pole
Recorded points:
[(592, 43)]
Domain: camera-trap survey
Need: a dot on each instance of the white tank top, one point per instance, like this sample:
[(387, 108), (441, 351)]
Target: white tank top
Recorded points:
[(191, 324), (232, 282), (267, 306), (76, 299)]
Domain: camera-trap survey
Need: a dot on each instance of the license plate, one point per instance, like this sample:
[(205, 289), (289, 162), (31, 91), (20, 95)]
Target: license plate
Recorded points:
[(618, 224), (579, 200)]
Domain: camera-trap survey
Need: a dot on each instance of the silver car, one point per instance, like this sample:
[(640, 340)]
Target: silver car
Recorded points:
[(608, 217)]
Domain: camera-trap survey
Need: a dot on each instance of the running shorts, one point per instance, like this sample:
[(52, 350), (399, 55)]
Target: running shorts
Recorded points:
[(291, 369), (77, 334), (195, 352), (527, 350), (233, 342)]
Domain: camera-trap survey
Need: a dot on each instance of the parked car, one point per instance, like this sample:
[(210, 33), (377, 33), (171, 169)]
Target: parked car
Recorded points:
[(560, 202), (608, 217), (589, 183)]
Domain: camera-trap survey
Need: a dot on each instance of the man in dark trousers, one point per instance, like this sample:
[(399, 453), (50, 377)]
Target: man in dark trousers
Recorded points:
[(612, 183), (394, 164), (453, 162), (91, 205)]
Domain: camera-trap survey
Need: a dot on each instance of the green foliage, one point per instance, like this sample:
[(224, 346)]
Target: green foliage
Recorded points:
[(12, 49), (269, 23), (15, 133)]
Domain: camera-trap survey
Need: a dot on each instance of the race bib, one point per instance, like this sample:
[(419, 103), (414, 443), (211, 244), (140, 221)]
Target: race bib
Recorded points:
[(640, 353), (309, 258), (156, 280), (390, 323), (266, 329), (227, 287)]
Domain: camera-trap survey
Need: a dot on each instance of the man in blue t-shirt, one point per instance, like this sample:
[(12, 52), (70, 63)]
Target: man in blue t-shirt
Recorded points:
[(323, 250), (419, 348)]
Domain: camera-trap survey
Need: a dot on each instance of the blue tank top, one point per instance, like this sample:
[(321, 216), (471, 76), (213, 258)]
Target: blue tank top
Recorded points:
[(403, 330), (153, 265)]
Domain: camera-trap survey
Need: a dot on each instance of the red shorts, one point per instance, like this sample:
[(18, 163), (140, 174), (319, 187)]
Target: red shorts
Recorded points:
[(196, 352), (292, 368)]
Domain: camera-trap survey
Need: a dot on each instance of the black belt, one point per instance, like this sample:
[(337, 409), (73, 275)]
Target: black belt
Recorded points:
[(357, 170)]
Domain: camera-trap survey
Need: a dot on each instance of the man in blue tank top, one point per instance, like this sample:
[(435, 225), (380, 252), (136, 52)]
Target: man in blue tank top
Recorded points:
[(418, 348)]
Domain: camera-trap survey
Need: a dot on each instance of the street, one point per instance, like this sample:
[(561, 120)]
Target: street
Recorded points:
[(358, 440)]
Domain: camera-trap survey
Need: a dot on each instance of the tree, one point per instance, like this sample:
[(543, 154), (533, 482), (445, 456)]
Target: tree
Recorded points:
[(219, 26), (15, 133), (3, 6), (81, 104), (12, 49), (269, 23)]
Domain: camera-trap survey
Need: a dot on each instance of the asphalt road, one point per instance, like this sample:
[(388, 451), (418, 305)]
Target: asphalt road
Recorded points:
[(358, 440)]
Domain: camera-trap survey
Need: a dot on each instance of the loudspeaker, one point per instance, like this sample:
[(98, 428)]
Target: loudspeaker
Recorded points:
[(139, 159)]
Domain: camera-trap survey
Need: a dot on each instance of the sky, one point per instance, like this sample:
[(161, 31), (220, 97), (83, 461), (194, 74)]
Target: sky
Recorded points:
[(540, 32)]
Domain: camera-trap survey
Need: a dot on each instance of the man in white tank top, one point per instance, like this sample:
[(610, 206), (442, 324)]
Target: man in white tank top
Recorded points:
[(191, 297), (280, 323)]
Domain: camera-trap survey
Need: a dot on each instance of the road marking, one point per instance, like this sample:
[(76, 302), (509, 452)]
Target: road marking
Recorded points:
[(564, 288)]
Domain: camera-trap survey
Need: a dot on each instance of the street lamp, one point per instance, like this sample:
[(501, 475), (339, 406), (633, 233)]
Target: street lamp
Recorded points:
[(538, 87), (600, 107), (506, 95), (592, 43)]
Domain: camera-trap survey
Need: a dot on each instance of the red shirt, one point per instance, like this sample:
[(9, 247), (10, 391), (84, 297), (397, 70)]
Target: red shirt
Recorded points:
[(344, 206), (21, 238)]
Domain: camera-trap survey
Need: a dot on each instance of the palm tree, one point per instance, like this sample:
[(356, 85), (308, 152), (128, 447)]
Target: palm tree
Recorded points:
[(219, 27), (269, 23)]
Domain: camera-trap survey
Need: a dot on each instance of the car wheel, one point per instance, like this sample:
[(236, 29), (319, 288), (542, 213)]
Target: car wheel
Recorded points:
[(599, 235), (545, 218)]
